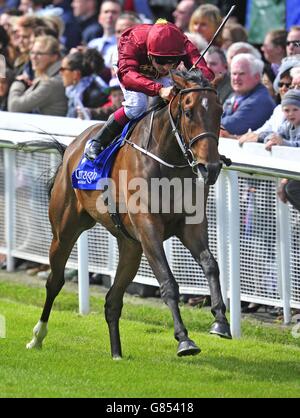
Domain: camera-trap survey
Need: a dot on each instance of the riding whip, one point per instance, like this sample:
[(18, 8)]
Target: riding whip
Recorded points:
[(215, 35)]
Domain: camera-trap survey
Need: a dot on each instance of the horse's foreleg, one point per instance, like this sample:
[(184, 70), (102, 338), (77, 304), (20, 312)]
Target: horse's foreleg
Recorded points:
[(194, 238), (154, 251), (211, 270), (129, 261), (65, 236)]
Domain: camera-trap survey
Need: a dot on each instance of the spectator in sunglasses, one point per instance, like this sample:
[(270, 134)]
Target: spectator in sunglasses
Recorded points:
[(286, 66), (80, 72), (293, 41), (147, 53)]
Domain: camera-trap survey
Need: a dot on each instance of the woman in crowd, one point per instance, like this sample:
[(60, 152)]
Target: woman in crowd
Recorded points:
[(44, 95), (206, 20), (84, 87)]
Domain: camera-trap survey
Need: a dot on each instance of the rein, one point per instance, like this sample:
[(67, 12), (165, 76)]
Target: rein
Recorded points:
[(153, 156)]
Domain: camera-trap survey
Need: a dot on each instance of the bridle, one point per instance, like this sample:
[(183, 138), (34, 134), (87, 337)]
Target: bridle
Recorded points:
[(187, 148)]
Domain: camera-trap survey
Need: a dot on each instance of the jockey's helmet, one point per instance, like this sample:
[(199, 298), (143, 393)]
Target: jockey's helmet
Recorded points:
[(165, 40)]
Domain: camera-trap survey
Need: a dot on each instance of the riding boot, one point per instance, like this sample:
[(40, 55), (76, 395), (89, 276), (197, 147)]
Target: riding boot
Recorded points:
[(103, 138)]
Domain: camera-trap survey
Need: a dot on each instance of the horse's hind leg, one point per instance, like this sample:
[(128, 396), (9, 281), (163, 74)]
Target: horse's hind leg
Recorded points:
[(130, 254), (66, 230), (194, 238)]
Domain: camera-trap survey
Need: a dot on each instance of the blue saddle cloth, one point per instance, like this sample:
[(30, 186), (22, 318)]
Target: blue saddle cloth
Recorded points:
[(93, 175)]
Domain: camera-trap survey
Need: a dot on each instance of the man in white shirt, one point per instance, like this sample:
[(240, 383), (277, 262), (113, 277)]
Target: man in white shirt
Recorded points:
[(109, 13)]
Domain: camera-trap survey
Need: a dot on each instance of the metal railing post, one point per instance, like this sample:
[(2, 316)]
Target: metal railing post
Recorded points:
[(221, 219), (10, 198), (234, 254), (113, 257), (283, 248), (168, 251), (83, 274)]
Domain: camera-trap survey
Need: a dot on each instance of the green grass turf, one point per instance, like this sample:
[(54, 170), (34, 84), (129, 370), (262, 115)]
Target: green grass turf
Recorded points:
[(76, 362)]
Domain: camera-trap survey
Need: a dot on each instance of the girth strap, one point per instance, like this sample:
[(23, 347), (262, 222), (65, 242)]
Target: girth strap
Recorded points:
[(115, 217)]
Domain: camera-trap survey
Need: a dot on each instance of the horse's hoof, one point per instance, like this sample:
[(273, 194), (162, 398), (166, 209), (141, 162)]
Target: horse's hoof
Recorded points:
[(187, 348), (34, 344), (222, 330), (39, 334), (117, 358)]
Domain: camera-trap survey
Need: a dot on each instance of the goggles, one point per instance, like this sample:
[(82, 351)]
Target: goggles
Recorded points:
[(167, 60)]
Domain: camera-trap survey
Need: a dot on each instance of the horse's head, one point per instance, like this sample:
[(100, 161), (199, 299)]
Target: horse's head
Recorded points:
[(196, 113)]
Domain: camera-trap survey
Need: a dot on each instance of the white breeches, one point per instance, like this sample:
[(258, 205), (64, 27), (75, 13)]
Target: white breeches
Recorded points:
[(135, 103)]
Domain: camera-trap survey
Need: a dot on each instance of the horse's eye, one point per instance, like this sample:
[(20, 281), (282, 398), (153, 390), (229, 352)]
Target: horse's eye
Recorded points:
[(188, 113)]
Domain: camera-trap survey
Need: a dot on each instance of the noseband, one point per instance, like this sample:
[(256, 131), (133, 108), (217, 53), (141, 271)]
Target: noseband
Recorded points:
[(187, 148)]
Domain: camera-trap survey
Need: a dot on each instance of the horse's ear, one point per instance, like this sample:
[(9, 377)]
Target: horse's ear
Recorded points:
[(216, 81), (179, 81)]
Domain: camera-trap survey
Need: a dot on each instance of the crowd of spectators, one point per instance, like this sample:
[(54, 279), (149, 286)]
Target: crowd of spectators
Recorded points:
[(61, 59)]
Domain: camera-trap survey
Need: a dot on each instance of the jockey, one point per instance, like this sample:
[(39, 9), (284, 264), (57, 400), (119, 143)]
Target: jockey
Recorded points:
[(146, 55)]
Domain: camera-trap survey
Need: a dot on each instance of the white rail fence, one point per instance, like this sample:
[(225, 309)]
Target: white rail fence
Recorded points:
[(255, 238)]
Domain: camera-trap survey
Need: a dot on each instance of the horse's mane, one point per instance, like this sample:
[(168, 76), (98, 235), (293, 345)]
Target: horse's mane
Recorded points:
[(194, 76)]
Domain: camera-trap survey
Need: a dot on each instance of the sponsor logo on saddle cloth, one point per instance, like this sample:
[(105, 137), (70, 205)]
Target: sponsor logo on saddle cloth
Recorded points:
[(86, 177)]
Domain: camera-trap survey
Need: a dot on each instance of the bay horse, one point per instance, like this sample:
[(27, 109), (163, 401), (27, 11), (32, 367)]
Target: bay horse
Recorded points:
[(178, 141)]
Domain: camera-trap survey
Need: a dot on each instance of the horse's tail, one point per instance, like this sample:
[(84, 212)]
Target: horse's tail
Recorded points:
[(45, 145), (61, 148)]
